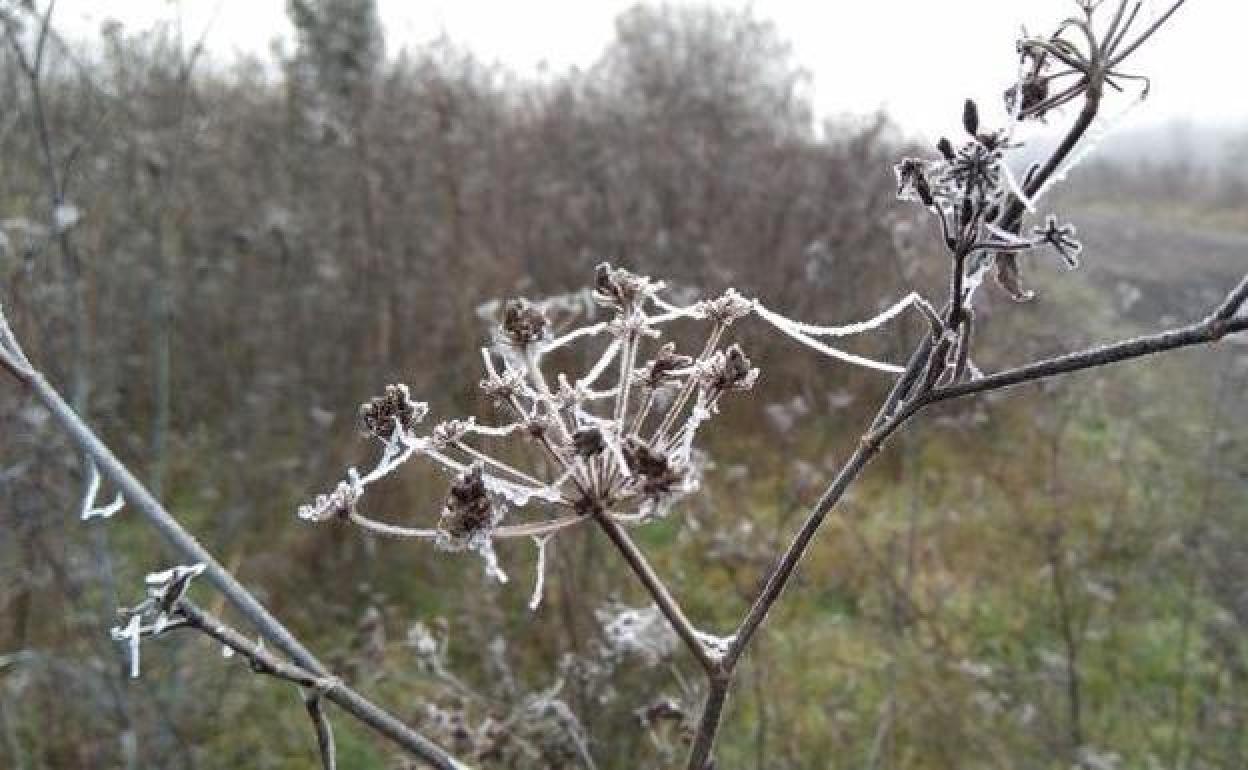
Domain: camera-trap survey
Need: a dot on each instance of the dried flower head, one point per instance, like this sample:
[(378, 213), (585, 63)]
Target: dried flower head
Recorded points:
[(524, 323), (588, 442), (663, 368), (503, 387), (728, 370), (394, 409), (468, 511), (724, 309), (655, 473), (621, 450), (617, 288)]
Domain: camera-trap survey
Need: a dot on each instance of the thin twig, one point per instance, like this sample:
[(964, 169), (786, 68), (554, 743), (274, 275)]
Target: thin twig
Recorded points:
[(324, 731), (190, 550)]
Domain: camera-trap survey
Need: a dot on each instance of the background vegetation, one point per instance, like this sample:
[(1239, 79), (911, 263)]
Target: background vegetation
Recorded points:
[(1046, 578)]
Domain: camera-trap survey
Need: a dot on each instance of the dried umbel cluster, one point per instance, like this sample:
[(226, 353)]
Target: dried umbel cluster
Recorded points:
[(969, 190), (623, 449), (976, 198), (616, 441)]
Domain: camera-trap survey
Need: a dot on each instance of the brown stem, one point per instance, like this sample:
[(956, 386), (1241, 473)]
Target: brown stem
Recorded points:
[(657, 590), (708, 724)]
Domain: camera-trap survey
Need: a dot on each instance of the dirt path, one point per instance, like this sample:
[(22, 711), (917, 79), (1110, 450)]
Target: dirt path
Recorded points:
[(1155, 269)]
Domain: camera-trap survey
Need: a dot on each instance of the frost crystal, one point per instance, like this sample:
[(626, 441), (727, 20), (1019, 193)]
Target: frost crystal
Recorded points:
[(152, 617)]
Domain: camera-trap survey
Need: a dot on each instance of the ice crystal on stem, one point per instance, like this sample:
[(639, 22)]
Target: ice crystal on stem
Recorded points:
[(157, 613)]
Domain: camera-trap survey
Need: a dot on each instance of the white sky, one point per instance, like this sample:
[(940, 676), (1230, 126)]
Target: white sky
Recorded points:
[(915, 58)]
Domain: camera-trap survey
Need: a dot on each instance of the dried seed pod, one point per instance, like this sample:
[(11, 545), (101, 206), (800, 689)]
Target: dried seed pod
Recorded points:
[(912, 181), (395, 408), (728, 370), (524, 323), (660, 370), (468, 508), (970, 117), (726, 308), (618, 288), (655, 473), (588, 441)]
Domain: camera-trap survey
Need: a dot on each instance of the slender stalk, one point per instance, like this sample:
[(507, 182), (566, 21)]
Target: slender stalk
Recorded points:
[(189, 549), (708, 725), (657, 589), (324, 732), (1204, 332), (1220, 322)]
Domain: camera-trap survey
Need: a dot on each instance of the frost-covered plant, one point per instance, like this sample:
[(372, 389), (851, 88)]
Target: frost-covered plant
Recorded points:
[(615, 444)]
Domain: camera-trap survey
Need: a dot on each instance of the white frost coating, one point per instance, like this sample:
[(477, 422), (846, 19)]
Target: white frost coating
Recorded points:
[(395, 454), (130, 634), (974, 280), (521, 495), (450, 464), (227, 651), (847, 330), (172, 575), (683, 442), (671, 312), (540, 580), (492, 430), (492, 569), (89, 508), (603, 364), (717, 646), (1006, 237), (585, 331), (789, 328), (1012, 182)]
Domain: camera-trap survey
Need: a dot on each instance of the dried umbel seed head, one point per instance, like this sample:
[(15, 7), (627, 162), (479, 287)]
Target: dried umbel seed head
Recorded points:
[(655, 473), (588, 442), (395, 408), (1034, 90), (661, 370), (728, 370), (620, 289), (524, 323), (726, 308), (468, 509), (976, 168)]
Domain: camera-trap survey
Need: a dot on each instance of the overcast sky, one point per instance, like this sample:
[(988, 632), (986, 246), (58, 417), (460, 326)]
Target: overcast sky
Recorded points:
[(910, 57)]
